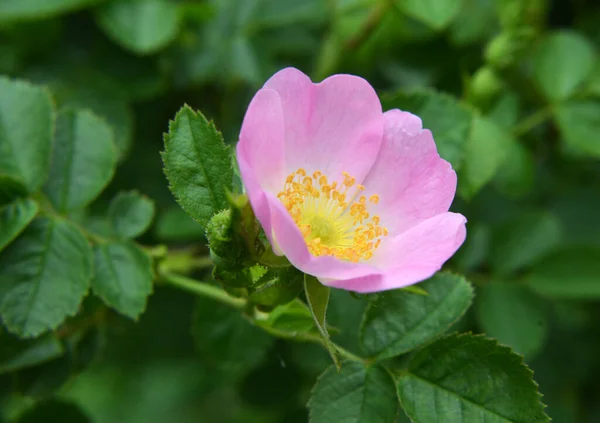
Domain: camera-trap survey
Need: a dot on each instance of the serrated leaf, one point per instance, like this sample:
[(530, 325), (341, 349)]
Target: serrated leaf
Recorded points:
[(123, 277), (45, 274), (435, 13), (26, 124), (16, 354), (38, 9), (568, 273), (317, 296), (448, 120), (130, 214), (486, 149), (142, 26), (354, 394), (562, 62), (54, 411), (83, 160), (397, 322), (219, 331), (197, 165), (515, 316), (522, 240), (14, 218), (469, 379), (579, 124)]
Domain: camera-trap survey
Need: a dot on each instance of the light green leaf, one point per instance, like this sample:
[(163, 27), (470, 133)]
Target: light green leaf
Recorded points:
[(515, 177), (38, 9), (485, 152), (197, 165), (142, 26), (55, 410), (568, 273), (130, 214), (83, 160), (354, 394), (292, 320), (435, 13), (579, 124), (469, 379), (317, 296), (562, 62), (14, 217), (45, 274), (448, 120), (397, 322), (520, 241), (219, 331), (515, 316), (123, 277), (26, 124), (476, 22), (16, 354)]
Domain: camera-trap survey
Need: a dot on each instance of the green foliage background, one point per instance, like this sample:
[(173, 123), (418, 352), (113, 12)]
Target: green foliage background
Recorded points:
[(511, 91)]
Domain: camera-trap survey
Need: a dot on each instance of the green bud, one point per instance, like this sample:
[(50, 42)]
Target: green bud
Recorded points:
[(277, 287), (485, 85), (507, 47), (227, 249)]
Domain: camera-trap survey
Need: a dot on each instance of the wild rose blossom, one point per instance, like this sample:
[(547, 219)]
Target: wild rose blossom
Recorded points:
[(353, 196)]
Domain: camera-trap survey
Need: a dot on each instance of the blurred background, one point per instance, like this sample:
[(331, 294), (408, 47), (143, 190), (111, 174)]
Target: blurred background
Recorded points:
[(530, 189)]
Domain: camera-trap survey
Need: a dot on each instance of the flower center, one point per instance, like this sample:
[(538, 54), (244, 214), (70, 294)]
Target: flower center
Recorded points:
[(333, 219)]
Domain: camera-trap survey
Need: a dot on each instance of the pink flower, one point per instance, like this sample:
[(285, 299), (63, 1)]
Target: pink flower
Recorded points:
[(353, 196)]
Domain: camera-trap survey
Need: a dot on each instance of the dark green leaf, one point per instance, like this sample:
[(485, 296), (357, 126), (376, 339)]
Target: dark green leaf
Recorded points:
[(435, 13), (278, 287), (26, 124), (130, 214), (45, 274), (475, 250), (55, 411), (293, 320), (469, 379), (142, 26), (14, 217), (515, 177), (123, 277), (174, 224), (397, 321), (520, 241), (16, 354), (197, 165), (83, 160), (317, 296), (354, 394), (448, 120), (563, 61), (11, 189), (568, 273), (38, 9), (579, 124), (515, 316)]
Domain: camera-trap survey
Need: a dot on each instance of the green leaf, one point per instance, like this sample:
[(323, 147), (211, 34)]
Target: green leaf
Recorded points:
[(485, 152), (317, 296), (219, 331), (579, 124), (142, 26), (276, 288), (38, 9), (197, 165), (515, 178), (520, 241), (354, 394), (397, 322), (562, 62), (14, 217), (435, 13), (11, 189), (469, 379), (83, 160), (568, 273), (26, 121), (123, 277), (55, 411), (293, 320), (448, 120), (45, 274), (475, 250), (130, 214), (515, 316), (173, 224), (16, 354)]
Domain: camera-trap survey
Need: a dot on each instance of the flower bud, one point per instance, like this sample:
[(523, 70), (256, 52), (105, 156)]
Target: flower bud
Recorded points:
[(507, 47), (227, 249), (485, 85)]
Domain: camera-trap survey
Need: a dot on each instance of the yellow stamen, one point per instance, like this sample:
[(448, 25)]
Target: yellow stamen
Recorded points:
[(332, 222)]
